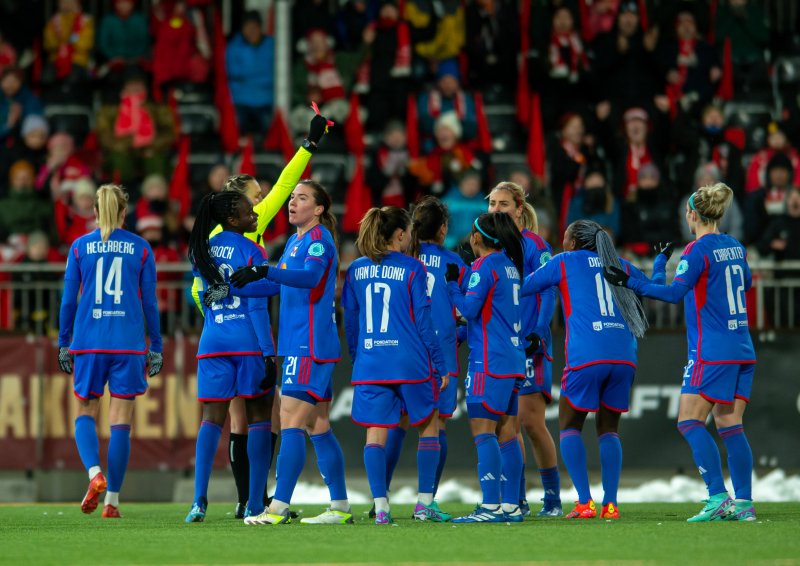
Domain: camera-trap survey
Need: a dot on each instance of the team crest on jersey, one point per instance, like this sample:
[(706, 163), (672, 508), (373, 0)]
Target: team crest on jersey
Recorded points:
[(316, 249), (97, 313), (474, 279), (368, 343), (683, 267), (597, 326), (294, 251), (544, 258)]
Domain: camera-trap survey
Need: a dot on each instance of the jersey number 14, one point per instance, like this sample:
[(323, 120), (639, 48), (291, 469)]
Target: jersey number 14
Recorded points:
[(113, 281)]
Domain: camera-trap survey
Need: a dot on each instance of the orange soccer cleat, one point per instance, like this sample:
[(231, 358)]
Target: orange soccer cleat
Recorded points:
[(111, 512), (586, 510), (97, 486), (610, 511)]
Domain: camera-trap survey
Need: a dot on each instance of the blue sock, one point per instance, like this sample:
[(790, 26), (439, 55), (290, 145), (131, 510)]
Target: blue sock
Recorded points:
[(330, 461), (428, 454), (511, 455), (259, 454), (375, 463), (610, 465), (574, 454), (119, 450), (551, 482), (706, 454), (291, 462), (394, 445), (489, 467), (442, 459), (740, 460), (86, 439), (205, 449)]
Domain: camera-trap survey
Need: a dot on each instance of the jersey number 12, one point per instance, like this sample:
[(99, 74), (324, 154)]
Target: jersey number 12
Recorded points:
[(113, 281), (736, 304)]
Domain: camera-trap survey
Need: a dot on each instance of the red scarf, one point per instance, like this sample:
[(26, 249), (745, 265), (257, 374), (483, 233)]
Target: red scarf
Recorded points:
[(435, 104), (325, 76), (134, 119), (686, 58), (576, 58), (637, 156)]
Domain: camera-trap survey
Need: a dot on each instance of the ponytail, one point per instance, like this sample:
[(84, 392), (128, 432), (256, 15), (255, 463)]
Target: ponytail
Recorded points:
[(110, 202), (427, 218), (215, 208), (589, 235), (529, 218), (499, 232), (376, 229), (711, 202)]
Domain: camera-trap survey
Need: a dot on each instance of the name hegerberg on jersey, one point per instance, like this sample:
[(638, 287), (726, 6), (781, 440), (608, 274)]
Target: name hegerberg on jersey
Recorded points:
[(110, 246), (380, 272)]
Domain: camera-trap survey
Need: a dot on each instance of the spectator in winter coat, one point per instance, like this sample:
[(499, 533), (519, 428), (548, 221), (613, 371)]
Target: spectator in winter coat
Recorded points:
[(781, 239), (464, 203), (777, 142), (446, 97), (8, 55), (29, 146), (250, 64), (649, 218), (17, 102), (387, 176), (745, 24), (770, 200), (61, 165), (732, 222), (75, 210), (68, 42), (595, 201), (21, 212), (492, 42), (123, 38), (180, 48)]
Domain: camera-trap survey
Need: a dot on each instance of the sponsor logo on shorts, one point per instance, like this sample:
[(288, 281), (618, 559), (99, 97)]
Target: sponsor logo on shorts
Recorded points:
[(316, 249)]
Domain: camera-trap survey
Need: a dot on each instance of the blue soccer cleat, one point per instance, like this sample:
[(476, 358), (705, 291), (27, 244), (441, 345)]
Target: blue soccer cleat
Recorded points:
[(198, 512), (483, 515), (551, 509), (717, 508), (525, 508), (515, 516)]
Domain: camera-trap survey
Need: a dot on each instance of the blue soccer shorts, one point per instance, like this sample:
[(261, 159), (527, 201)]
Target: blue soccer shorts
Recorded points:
[(490, 397), (448, 399), (307, 380), (124, 373), (538, 377), (380, 405), (221, 378), (718, 383), (590, 387)]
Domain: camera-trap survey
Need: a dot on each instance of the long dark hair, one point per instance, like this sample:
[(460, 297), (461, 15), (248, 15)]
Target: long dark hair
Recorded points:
[(427, 218), (215, 208), (376, 229), (323, 199), (499, 232), (589, 235)]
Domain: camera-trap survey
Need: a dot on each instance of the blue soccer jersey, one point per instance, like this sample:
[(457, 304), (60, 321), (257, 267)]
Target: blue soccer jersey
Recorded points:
[(712, 278), (491, 306), (596, 331), (117, 282), (537, 311), (443, 310), (236, 325), (307, 274), (388, 321)]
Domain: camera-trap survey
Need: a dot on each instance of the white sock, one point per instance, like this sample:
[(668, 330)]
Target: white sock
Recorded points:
[(425, 498), (340, 505), (112, 498), (278, 507), (491, 506), (381, 504), (510, 507), (93, 471)]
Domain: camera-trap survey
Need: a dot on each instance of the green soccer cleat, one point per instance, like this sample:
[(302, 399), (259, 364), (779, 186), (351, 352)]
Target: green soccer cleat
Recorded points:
[(330, 517), (430, 513), (198, 511), (743, 510), (717, 508)]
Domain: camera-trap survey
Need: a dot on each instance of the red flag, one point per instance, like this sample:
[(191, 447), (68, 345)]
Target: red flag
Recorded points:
[(586, 32), (358, 199), (247, 167), (523, 92), (643, 15), (536, 155), (484, 135), (412, 126), (278, 137), (353, 129), (228, 129), (725, 88), (180, 192), (712, 22)]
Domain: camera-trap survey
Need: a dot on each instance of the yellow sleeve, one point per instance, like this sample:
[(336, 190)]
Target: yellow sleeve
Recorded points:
[(197, 286)]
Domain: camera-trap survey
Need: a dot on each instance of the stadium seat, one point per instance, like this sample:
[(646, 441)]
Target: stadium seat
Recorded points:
[(753, 118), (331, 170), (77, 120), (506, 135), (785, 80), (198, 119), (193, 93), (268, 166), (504, 163), (494, 95)]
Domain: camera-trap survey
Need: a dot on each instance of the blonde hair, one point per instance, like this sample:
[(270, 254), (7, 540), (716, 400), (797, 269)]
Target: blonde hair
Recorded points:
[(529, 219), (711, 201), (377, 228), (110, 203)]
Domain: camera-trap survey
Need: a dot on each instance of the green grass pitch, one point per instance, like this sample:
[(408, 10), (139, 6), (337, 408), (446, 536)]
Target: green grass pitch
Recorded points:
[(156, 534)]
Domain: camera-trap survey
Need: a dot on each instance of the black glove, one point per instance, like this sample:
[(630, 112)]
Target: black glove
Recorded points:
[(535, 341), (155, 360), (64, 359), (270, 373), (317, 128), (616, 276), (452, 273), (245, 275), (215, 293), (664, 248)]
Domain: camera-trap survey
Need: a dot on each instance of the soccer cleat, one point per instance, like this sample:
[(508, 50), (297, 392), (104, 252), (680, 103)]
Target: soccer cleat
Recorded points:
[(717, 507), (483, 515), (97, 486), (383, 518), (550, 509), (239, 512), (198, 511), (111, 512), (525, 508), (430, 513), (330, 517), (516, 516), (583, 511), (267, 518), (743, 510), (610, 511)]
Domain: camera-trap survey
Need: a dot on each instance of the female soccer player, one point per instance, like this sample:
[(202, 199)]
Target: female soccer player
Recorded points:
[(713, 276), (397, 358), (309, 341), (600, 351), (266, 210), (103, 334), (496, 360), (236, 355), (537, 312)]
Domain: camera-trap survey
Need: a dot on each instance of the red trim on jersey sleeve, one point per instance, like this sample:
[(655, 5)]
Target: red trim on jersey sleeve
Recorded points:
[(536, 238), (689, 247), (75, 252), (566, 302)]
